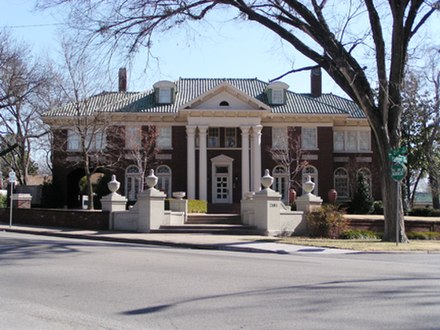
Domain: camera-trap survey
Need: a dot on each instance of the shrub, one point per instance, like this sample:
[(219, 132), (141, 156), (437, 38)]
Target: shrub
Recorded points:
[(424, 212), (378, 207), (197, 206), (423, 235), (3, 201), (359, 234), (328, 221), (51, 196), (362, 202)]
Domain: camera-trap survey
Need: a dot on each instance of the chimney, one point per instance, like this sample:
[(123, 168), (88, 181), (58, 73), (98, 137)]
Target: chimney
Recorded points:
[(316, 82), (122, 80)]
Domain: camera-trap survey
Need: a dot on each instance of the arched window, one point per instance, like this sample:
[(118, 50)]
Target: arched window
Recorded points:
[(341, 183), (313, 172), (132, 182), (281, 182), (224, 104), (366, 175), (163, 173)]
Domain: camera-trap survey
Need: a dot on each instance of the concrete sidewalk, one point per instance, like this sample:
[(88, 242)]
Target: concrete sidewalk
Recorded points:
[(259, 244)]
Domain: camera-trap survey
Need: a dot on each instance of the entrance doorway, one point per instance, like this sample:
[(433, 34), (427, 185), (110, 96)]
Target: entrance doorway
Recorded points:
[(222, 179)]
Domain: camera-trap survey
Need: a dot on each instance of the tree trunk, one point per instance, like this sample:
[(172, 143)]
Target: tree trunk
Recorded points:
[(434, 184), (393, 210), (91, 205)]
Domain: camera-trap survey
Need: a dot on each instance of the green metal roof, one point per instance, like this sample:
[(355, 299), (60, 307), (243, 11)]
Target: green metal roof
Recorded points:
[(189, 89)]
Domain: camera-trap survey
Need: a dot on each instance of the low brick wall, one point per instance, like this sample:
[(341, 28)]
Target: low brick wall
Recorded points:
[(410, 225), (81, 219)]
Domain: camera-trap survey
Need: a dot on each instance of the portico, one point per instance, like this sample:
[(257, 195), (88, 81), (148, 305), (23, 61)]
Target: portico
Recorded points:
[(223, 178)]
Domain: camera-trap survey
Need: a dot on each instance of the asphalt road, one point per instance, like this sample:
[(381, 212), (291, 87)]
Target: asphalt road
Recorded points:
[(54, 283)]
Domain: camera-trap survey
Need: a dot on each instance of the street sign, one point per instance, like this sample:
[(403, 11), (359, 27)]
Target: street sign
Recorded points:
[(398, 155), (12, 177), (398, 171)]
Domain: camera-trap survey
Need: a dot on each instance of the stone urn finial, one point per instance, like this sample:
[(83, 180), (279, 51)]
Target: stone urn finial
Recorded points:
[(266, 180), (113, 185), (308, 185), (151, 179)]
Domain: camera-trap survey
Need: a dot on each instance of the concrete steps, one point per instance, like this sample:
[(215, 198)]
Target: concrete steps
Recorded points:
[(216, 224)]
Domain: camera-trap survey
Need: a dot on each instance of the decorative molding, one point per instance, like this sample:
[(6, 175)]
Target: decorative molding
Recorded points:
[(364, 159), (164, 156), (341, 159), (309, 157)]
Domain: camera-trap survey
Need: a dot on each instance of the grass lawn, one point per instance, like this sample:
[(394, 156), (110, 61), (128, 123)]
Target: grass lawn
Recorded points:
[(366, 245)]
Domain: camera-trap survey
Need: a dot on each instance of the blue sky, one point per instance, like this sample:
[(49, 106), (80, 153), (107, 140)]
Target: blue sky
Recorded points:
[(214, 50)]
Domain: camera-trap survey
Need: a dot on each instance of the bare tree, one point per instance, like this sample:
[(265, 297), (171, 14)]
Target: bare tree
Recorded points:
[(336, 37), (88, 125), (24, 85), (141, 148), (287, 152)]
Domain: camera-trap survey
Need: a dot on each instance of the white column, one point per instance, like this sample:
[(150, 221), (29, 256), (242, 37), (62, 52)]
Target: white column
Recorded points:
[(256, 141), (245, 165), (191, 161), (203, 173)]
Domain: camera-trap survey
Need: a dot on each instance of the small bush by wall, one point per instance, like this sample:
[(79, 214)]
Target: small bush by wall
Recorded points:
[(424, 212), (197, 206), (328, 221), (3, 201)]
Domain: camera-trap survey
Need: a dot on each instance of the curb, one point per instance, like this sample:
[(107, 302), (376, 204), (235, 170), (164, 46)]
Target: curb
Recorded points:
[(195, 246)]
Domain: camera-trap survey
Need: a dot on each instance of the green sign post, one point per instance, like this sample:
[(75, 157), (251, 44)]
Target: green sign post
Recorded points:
[(398, 172)]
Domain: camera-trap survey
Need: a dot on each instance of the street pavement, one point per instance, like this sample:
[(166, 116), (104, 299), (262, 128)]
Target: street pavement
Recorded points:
[(260, 244)]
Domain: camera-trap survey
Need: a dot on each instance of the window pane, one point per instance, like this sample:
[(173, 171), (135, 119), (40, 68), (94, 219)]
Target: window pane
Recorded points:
[(351, 141), (165, 95), (364, 141), (338, 141), (308, 136), (164, 137), (213, 137), (133, 137), (279, 138), (277, 96), (230, 137), (341, 182), (73, 141)]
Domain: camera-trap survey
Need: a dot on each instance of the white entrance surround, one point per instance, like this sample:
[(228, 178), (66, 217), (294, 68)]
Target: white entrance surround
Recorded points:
[(191, 161), (203, 173), (251, 143), (222, 179)]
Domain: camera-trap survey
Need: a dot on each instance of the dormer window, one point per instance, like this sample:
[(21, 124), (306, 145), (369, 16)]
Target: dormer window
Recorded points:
[(164, 91), (276, 92)]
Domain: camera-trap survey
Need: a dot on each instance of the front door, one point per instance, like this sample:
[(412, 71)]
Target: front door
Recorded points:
[(222, 179), (222, 189)]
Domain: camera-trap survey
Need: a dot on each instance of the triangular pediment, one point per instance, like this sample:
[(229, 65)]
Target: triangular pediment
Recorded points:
[(222, 159), (225, 97)]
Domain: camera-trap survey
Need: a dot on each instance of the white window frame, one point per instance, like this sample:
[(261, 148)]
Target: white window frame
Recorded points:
[(73, 141), (134, 179), (213, 139), (311, 142), (164, 95), (164, 179), (279, 173), (277, 96), (279, 138), (231, 139), (133, 137), (164, 138), (361, 139), (338, 179)]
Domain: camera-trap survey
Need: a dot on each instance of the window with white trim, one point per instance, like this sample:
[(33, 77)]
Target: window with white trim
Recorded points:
[(213, 137), (163, 173), (352, 140), (341, 182), (279, 138), (133, 138), (281, 182), (132, 182), (164, 95), (277, 96), (73, 141), (93, 141), (230, 137), (366, 175), (309, 138), (164, 137)]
